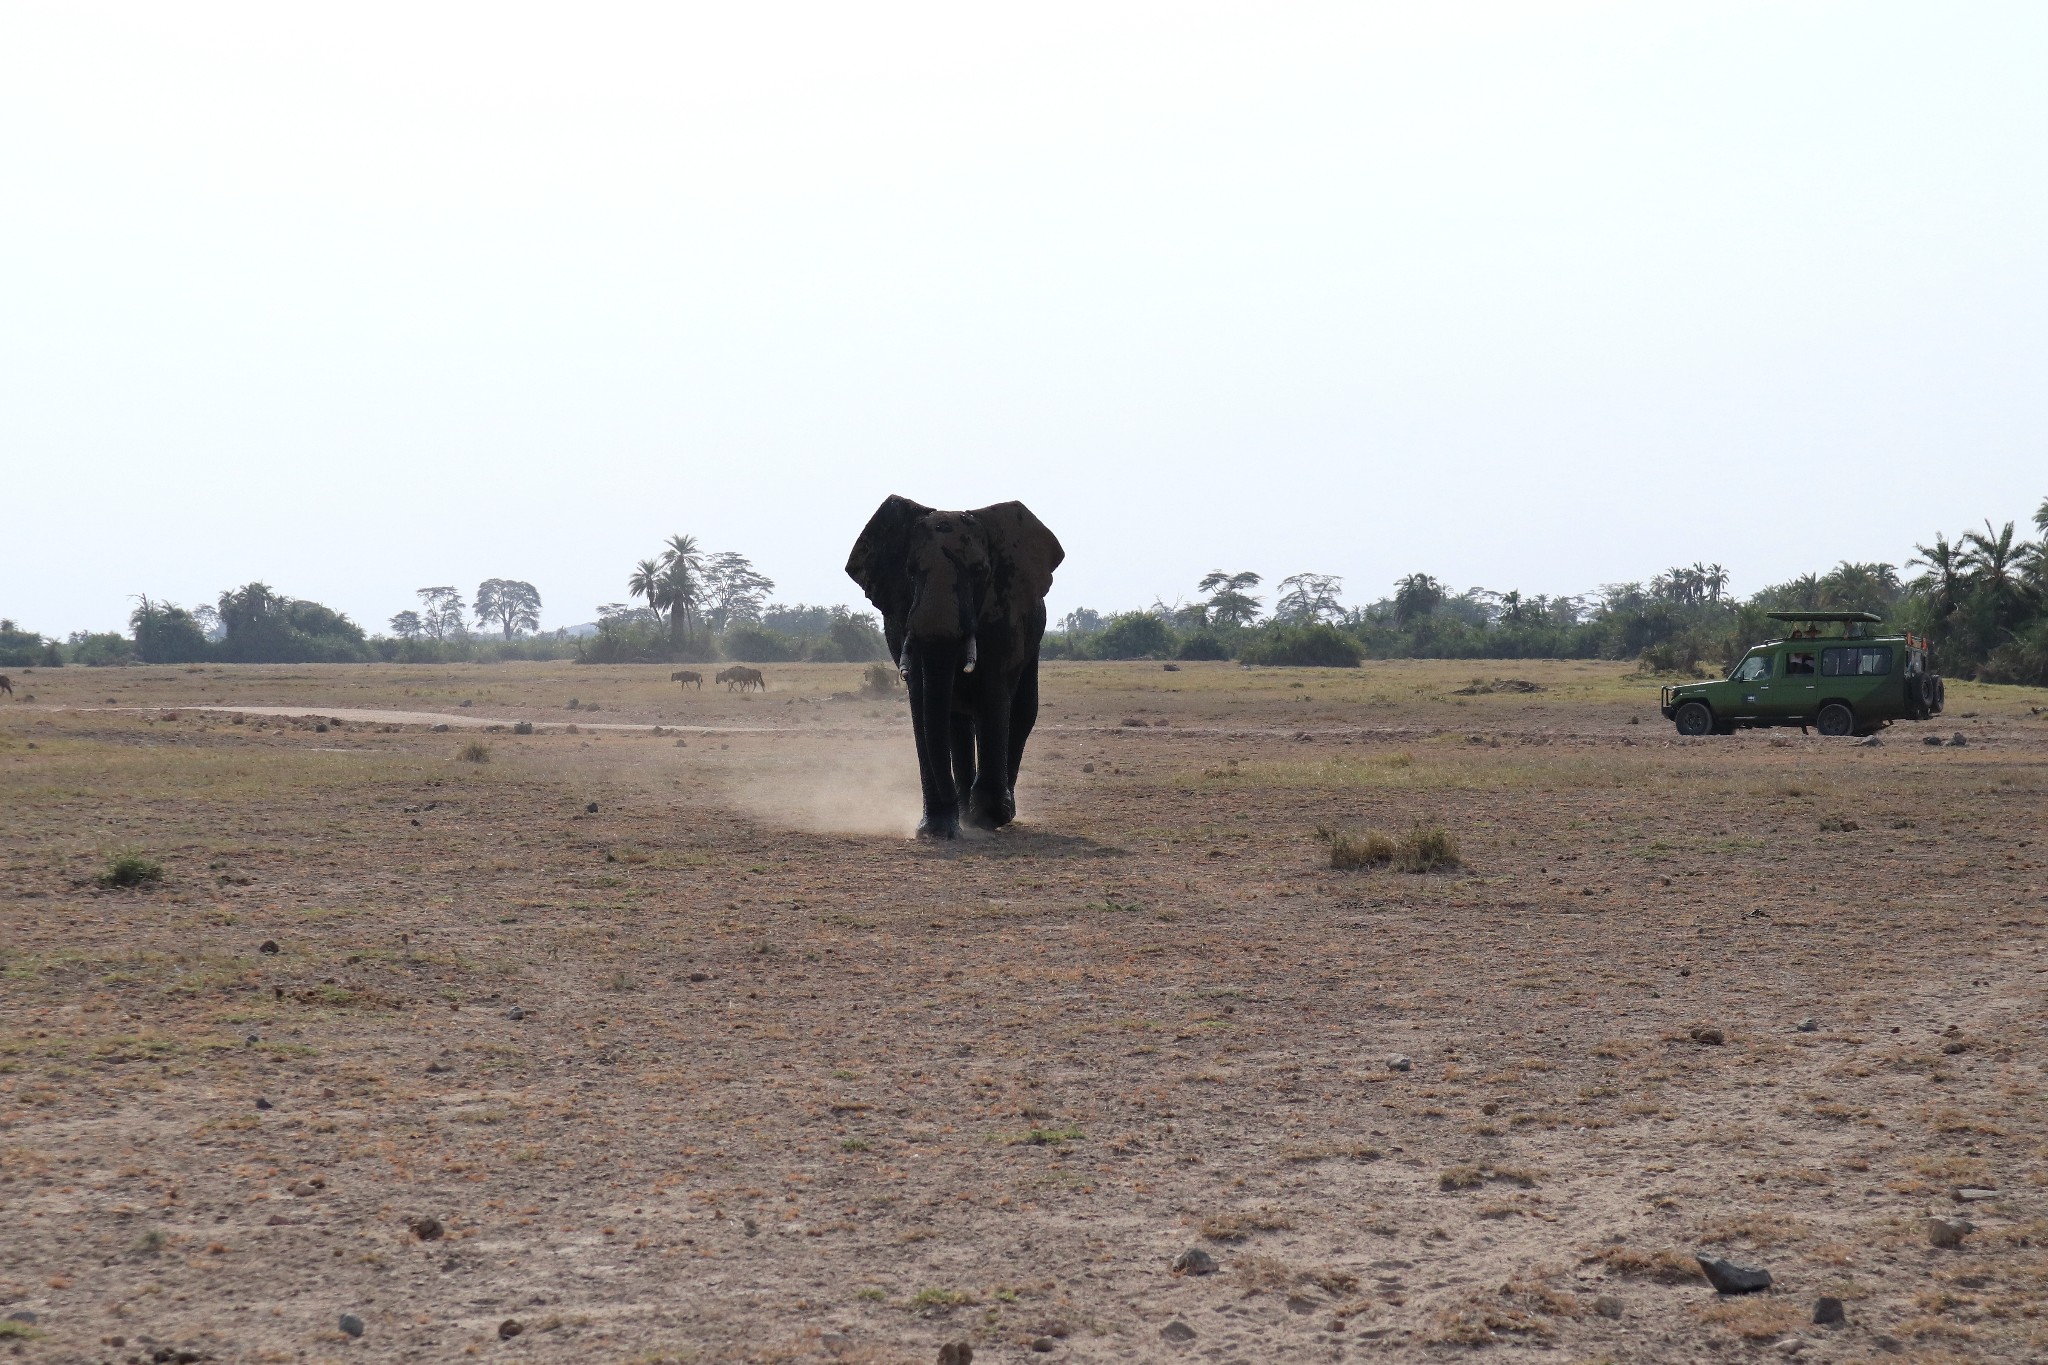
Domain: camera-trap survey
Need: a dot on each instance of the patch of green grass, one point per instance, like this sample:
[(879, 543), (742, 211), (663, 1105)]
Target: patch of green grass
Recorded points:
[(928, 1300), (854, 1144), (132, 869)]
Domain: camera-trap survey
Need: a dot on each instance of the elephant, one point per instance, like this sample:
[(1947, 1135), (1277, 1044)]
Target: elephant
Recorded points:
[(962, 598)]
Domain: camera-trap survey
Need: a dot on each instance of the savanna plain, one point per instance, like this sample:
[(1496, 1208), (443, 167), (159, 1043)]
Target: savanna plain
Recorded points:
[(613, 1043)]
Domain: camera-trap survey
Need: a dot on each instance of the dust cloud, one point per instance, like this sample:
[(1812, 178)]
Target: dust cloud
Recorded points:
[(848, 788)]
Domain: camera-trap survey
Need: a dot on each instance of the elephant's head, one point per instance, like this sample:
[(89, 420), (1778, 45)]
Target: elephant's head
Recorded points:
[(939, 578)]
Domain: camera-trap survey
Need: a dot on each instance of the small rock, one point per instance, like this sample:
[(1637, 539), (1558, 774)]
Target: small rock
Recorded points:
[(591, 809), (1806, 1025), (438, 729), (515, 1013), (956, 1353), (351, 1324), (1869, 742), (262, 1103), (1707, 1035), (1607, 1306), (426, 1229), (1973, 1194), (1949, 1232), (1959, 739), (1930, 739), (437, 1069), (1042, 1343), (1087, 767), (700, 976), (269, 946), (1729, 1278), (303, 1190), (750, 1227), (1789, 1346), (1397, 1062), (251, 1040), (1177, 1332), (1194, 1261), (510, 1328), (1170, 668), (26, 1315), (836, 1343), (1827, 1311)]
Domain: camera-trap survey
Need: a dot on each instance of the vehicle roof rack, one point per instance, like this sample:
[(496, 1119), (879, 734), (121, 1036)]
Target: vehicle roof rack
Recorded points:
[(1869, 616)]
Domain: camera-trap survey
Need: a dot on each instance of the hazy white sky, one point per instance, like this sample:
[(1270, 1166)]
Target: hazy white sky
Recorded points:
[(355, 299)]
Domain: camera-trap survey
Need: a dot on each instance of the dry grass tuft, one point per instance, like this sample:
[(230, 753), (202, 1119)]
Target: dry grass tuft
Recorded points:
[(1665, 1266), (1422, 849), (1236, 1227)]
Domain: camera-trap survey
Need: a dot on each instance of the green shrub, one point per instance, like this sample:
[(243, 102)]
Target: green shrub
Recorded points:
[(1310, 646), (1133, 635), (476, 751), (132, 869), (851, 640), (752, 644), (1203, 644), (99, 649), (25, 649)]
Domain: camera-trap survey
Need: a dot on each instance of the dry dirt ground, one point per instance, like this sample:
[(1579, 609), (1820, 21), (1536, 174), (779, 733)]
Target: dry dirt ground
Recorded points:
[(783, 1084)]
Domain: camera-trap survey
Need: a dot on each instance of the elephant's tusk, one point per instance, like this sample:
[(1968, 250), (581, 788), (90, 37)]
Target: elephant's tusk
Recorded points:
[(972, 654)]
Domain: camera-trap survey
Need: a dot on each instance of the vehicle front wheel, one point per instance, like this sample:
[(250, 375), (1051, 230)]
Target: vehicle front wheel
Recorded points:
[(1835, 719), (1694, 718)]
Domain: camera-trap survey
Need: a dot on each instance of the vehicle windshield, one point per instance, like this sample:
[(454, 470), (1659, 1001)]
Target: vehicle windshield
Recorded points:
[(1750, 669)]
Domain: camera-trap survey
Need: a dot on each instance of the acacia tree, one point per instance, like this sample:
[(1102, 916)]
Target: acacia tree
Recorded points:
[(511, 604), (1306, 598), (733, 589), (441, 612), (1230, 600), (408, 626)]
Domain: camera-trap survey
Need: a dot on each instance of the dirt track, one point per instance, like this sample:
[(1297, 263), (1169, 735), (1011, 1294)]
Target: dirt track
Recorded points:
[(988, 1093)]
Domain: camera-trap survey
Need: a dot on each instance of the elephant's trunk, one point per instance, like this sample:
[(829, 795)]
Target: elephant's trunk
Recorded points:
[(967, 666)]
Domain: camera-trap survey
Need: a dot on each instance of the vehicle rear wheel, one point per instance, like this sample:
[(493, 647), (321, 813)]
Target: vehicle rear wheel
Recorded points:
[(1835, 719), (1694, 718)]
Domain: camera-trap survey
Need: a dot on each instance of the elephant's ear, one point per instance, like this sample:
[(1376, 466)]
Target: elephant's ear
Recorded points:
[(878, 559), (1024, 550)]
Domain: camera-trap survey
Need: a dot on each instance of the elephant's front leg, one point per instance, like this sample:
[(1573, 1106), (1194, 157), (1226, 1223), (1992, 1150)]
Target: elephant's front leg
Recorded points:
[(992, 806), (931, 714), (963, 753)]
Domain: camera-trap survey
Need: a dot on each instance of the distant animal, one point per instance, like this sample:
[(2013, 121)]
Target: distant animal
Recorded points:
[(688, 679), (745, 679), (962, 597), (6, 685)]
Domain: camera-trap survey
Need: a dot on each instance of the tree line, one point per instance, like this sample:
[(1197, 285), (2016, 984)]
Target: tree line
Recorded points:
[(1982, 599), (699, 606)]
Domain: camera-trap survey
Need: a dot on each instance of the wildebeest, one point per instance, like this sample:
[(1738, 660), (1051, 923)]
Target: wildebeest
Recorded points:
[(688, 678), (745, 679), (6, 685)]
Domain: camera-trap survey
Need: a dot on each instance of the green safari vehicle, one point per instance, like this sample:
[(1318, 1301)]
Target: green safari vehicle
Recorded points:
[(1830, 672)]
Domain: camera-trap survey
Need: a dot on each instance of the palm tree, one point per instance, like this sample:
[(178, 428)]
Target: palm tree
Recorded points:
[(649, 582), (1945, 565), (1994, 560), (682, 566)]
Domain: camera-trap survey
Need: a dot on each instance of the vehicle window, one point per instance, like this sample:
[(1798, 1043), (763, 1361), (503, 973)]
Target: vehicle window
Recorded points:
[(1916, 663), (1869, 661), (1754, 667), (1799, 665)]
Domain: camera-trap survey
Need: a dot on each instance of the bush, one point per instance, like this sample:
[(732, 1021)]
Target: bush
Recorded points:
[(851, 640), (1311, 646), (99, 649), (1133, 635), (25, 649), (1422, 849), (752, 644), (132, 869), (1203, 644), (476, 751), (167, 634), (524, 727)]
